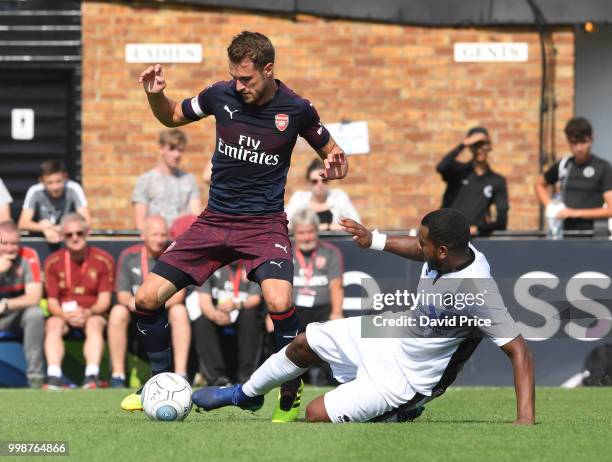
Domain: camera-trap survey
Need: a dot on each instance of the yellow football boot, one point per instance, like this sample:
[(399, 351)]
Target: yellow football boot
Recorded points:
[(133, 402)]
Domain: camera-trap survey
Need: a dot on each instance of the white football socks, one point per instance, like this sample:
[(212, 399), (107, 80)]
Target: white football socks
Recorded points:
[(277, 369), (92, 369), (54, 371)]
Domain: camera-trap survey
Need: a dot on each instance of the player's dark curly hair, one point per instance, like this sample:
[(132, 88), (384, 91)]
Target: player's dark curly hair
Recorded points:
[(578, 129), (252, 45), (448, 227)]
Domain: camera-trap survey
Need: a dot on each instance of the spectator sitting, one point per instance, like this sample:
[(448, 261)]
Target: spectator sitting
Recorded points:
[(54, 197), (167, 190), (472, 187), (317, 282), (329, 204), (5, 202), (134, 265), (79, 283), (318, 292), (585, 180), (20, 293), (228, 298)]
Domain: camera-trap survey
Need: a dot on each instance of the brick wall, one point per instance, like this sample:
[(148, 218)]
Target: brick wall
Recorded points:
[(402, 80)]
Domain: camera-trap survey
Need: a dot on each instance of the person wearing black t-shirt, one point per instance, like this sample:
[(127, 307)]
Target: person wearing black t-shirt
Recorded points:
[(472, 187), (585, 180)]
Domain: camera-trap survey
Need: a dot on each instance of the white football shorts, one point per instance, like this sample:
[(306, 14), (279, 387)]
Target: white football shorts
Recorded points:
[(371, 380)]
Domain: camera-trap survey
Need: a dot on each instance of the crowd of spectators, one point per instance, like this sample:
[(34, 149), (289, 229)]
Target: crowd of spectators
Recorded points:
[(88, 296)]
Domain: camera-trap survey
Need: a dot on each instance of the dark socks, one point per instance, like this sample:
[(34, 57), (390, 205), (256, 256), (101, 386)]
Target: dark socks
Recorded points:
[(154, 333), (286, 327)]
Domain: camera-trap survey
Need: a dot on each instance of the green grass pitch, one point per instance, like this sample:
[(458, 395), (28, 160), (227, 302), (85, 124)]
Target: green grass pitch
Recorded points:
[(465, 424)]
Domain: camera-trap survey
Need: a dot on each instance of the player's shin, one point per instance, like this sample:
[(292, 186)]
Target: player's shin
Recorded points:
[(154, 333), (277, 369)]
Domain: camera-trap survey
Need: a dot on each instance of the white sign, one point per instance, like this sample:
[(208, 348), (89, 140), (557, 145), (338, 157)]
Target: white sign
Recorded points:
[(491, 52), (352, 137), (163, 53), (22, 124)]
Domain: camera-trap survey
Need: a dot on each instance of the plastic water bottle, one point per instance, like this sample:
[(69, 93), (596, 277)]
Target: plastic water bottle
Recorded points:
[(555, 225)]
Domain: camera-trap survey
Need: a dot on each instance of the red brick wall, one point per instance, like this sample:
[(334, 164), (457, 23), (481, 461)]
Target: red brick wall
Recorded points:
[(402, 80)]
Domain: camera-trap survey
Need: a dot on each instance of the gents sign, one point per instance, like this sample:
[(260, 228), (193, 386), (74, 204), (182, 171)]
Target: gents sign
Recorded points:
[(491, 52)]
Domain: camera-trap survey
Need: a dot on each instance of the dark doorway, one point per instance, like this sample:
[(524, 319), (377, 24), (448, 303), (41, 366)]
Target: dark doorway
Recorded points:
[(48, 93)]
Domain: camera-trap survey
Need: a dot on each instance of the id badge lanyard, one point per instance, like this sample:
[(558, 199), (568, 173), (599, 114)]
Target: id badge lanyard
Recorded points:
[(235, 279), (306, 295), (144, 262), (68, 269)]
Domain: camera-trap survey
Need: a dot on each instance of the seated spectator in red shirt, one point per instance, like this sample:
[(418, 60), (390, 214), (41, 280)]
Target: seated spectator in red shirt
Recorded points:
[(79, 283), (135, 263), (20, 292)]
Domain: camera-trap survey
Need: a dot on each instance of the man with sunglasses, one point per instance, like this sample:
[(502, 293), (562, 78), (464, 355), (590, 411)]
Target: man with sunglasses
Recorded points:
[(79, 283), (472, 187), (258, 119), (166, 190)]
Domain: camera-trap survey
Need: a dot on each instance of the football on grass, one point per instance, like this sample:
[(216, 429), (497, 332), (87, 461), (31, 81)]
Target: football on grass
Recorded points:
[(166, 397)]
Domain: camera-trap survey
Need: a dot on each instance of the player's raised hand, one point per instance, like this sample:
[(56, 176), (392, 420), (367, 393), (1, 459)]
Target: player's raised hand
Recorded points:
[(152, 79), (336, 166), (361, 235)]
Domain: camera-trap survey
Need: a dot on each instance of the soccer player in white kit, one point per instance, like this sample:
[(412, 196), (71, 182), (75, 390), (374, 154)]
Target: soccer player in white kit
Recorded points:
[(381, 377)]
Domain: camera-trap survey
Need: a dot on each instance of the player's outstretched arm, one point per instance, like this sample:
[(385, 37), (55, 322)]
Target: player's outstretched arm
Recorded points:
[(524, 383), (336, 164), (404, 246), (165, 109)]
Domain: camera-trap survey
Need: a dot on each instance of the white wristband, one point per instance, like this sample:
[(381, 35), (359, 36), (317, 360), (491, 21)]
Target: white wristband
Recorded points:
[(378, 240)]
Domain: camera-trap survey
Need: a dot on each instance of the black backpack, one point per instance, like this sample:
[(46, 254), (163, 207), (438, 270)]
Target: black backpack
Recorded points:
[(598, 367)]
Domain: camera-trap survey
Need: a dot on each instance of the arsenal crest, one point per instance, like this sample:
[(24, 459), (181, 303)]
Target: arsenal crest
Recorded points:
[(281, 121)]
